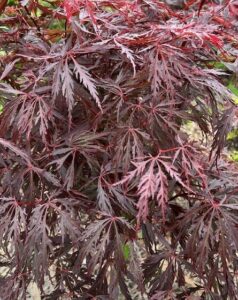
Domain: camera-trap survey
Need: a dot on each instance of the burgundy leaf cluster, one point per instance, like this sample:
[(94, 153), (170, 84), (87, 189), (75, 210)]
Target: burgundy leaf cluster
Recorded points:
[(103, 193)]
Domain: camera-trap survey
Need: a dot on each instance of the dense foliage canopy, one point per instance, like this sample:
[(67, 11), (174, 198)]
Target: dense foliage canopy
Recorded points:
[(104, 193)]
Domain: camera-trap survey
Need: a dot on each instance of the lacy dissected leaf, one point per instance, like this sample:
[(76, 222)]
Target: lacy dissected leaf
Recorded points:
[(98, 238), (13, 223), (38, 243), (83, 75), (78, 145), (151, 175), (129, 145), (222, 128), (109, 111)]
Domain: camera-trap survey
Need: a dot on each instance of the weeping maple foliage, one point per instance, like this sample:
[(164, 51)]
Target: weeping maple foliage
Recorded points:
[(104, 193)]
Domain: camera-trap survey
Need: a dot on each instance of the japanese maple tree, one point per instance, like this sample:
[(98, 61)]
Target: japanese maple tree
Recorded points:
[(104, 193)]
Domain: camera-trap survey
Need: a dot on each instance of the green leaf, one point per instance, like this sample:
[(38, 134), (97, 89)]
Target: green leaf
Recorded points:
[(234, 155), (233, 88), (232, 134), (126, 251), (217, 65), (12, 3)]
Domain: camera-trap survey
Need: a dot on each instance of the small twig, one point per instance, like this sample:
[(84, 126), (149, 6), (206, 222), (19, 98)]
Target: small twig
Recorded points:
[(36, 25)]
